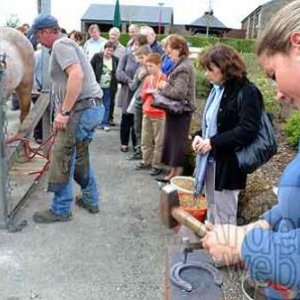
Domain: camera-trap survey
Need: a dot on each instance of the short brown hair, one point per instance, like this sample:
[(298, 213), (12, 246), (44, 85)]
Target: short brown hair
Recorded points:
[(175, 41), (77, 35), (109, 44), (141, 40), (154, 58), (227, 59)]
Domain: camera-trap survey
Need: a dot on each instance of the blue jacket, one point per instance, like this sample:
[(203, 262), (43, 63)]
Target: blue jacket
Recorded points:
[(274, 255), (167, 65)]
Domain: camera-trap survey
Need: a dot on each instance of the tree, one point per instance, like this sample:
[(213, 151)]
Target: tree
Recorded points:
[(117, 22), (13, 21)]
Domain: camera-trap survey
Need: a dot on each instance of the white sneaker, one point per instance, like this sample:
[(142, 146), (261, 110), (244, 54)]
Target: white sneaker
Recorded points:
[(106, 128)]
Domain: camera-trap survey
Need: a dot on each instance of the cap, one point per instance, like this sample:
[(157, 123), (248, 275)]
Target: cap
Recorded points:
[(41, 22)]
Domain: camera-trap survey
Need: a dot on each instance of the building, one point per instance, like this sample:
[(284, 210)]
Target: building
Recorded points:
[(256, 21), (208, 24), (103, 15)]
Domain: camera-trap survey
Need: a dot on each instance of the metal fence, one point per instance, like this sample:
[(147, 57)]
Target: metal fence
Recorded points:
[(8, 156)]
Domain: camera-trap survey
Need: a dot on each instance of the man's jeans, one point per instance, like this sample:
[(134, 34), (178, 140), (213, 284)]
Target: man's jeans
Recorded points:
[(89, 120), (106, 102)]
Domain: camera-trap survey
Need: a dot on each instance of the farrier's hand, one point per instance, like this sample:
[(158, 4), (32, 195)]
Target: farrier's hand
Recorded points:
[(225, 255), (61, 122), (224, 243), (224, 235)]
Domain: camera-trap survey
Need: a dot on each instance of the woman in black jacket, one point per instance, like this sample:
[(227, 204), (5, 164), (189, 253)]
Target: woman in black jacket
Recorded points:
[(105, 65), (226, 126)]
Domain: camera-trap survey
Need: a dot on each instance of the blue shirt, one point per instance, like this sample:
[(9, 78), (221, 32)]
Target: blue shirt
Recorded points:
[(274, 255), (91, 47)]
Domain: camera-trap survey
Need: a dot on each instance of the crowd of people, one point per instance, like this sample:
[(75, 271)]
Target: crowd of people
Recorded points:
[(88, 79)]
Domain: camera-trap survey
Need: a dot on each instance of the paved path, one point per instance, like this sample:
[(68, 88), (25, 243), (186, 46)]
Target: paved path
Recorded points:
[(118, 254)]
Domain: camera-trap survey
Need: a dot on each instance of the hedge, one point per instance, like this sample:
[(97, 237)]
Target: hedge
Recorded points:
[(292, 129), (245, 46)]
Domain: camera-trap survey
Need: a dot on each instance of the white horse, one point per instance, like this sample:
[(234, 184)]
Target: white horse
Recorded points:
[(17, 60)]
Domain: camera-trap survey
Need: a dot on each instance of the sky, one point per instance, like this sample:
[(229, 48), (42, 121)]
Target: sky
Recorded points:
[(69, 12)]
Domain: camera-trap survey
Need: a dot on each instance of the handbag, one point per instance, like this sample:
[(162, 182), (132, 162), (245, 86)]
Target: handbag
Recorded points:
[(170, 106), (131, 107), (264, 146)]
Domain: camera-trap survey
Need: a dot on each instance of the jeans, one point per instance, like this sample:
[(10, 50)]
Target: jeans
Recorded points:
[(106, 102), (112, 107), (88, 122)]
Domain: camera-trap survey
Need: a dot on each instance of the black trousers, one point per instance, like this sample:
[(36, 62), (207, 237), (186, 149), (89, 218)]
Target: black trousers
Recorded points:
[(127, 128)]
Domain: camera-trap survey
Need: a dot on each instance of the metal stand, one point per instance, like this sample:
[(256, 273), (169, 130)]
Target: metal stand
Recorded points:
[(3, 161)]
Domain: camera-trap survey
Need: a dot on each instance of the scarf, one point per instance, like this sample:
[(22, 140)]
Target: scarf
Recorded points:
[(209, 129)]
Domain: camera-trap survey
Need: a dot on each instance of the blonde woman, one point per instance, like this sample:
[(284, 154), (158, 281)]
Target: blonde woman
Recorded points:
[(270, 248)]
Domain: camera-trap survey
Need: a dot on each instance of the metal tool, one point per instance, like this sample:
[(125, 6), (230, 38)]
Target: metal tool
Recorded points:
[(172, 214)]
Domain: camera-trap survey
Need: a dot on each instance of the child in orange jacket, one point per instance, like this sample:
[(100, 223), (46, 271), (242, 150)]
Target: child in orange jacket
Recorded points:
[(153, 118)]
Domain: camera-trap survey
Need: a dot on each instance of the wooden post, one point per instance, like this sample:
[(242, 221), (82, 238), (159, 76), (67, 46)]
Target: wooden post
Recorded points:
[(46, 84)]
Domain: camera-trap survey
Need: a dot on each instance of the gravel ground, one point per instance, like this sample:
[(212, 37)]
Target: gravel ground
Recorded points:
[(118, 254)]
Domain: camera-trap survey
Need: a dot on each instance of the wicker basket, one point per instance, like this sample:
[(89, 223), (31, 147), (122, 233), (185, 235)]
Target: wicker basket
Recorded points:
[(197, 207)]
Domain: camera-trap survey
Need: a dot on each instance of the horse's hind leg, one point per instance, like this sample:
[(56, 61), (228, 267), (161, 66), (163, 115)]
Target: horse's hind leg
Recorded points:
[(23, 92)]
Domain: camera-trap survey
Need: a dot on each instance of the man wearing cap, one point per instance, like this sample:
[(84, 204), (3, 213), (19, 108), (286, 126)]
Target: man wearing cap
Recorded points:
[(80, 112)]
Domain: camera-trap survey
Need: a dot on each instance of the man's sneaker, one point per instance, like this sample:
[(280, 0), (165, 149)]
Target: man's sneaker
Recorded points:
[(106, 128), (48, 216), (79, 202)]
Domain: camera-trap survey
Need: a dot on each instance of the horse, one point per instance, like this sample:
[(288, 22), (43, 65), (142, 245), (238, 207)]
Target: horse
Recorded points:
[(17, 62)]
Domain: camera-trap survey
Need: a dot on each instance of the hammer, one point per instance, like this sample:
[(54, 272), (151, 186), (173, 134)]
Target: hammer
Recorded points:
[(172, 214)]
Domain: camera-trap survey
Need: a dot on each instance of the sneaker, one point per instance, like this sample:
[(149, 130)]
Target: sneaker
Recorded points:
[(80, 203), (48, 216), (124, 148), (106, 128), (135, 156), (155, 171)]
